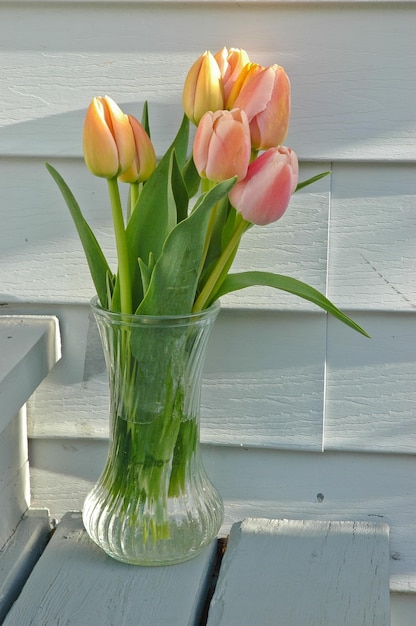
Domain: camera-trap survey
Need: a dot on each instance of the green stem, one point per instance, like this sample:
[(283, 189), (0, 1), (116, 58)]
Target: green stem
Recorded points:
[(121, 245), (134, 196), (211, 284)]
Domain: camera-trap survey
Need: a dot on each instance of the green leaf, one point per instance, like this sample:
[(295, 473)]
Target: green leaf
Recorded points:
[(175, 276), (151, 221), (145, 117), (191, 177), (309, 181), (179, 192), (234, 282), (99, 268)]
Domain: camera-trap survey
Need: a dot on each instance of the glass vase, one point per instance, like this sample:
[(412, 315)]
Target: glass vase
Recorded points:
[(154, 503)]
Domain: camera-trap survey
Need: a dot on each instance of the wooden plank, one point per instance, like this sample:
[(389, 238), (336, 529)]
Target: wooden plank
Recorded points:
[(284, 380), (263, 382), (371, 385), (76, 582), (29, 348), (372, 252), (353, 97), (259, 482), (14, 475), (303, 572), (402, 609), (19, 555), (41, 245)]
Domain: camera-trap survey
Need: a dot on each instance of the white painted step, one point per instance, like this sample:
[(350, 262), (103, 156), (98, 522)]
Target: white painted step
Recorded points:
[(303, 573), (29, 348)]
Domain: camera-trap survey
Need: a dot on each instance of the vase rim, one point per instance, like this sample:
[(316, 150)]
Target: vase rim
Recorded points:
[(211, 311)]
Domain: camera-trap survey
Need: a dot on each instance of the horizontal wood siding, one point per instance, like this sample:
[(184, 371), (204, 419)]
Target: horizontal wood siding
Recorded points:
[(282, 381)]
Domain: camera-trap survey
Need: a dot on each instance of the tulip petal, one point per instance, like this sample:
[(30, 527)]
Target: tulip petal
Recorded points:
[(264, 195), (100, 150), (256, 93), (123, 134)]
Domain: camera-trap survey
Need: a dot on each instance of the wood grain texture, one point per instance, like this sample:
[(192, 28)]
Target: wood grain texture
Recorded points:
[(372, 237), (353, 97), (19, 555), (258, 482), (14, 475), (371, 388), (75, 582), (280, 572), (29, 348), (40, 245)]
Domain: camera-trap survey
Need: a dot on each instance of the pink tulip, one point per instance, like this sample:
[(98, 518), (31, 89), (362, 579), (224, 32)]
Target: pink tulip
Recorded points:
[(266, 100), (222, 145), (108, 139), (264, 194), (231, 62), (144, 161), (203, 88)]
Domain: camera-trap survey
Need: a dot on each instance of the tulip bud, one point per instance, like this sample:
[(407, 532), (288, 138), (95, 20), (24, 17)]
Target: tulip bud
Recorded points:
[(264, 194), (108, 139), (231, 62), (266, 100), (203, 88), (222, 145), (144, 161), (246, 74)]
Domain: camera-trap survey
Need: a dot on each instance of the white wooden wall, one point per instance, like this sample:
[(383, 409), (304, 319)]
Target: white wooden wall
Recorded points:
[(301, 417)]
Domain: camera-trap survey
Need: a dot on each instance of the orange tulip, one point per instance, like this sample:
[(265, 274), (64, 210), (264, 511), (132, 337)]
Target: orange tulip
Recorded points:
[(203, 88), (231, 62), (266, 100), (144, 161), (222, 145), (264, 194), (108, 139)]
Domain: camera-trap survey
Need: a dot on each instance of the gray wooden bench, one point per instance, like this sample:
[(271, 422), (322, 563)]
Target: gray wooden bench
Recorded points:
[(274, 572), (29, 348), (268, 572)]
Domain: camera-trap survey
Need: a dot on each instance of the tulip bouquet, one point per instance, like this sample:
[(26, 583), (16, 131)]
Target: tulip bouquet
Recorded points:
[(178, 237), (166, 241)]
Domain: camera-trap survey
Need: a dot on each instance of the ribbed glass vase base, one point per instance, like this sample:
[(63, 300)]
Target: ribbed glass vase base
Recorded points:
[(135, 537), (154, 503)]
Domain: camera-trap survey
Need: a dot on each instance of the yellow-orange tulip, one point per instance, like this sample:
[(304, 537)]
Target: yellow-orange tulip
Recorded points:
[(266, 100), (144, 161), (203, 89), (231, 62), (246, 74), (108, 139)]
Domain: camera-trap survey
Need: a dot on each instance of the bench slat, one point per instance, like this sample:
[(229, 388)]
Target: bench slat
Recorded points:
[(19, 555), (74, 582), (303, 573)]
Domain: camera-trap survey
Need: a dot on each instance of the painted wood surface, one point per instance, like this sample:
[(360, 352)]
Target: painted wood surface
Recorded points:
[(273, 572), (281, 572), (14, 475), (29, 348), (353, 95), (19, 555), (257, 482), (74, 582), (281, 380)]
